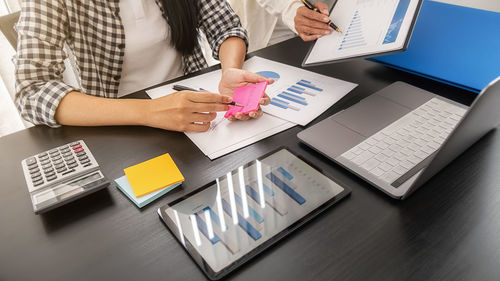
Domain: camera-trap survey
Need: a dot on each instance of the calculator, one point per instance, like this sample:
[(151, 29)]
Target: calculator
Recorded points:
[(61, 175)]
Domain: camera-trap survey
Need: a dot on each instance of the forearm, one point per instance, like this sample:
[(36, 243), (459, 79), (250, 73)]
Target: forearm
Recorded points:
[(232, 53), (78, 109)]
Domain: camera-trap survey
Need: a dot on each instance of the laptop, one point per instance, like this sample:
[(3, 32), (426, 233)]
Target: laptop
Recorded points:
[(399, 137)]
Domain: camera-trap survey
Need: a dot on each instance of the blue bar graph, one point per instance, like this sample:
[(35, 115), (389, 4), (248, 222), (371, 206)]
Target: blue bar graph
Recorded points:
[(251, 211), (273, 102), (242, 222), (294, 96), (253, 194), (285, 173), (283, 104), (300, 90), (310, 86), (268, 190), (354, 34), (203, 229), (283, 96), (297, 91), (213, 216), (286, 188)]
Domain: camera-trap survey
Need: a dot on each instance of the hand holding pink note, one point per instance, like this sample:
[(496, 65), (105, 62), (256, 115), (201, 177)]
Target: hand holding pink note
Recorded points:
[(248, 96)]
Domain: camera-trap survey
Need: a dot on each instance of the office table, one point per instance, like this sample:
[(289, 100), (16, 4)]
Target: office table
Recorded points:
[(448, 230)]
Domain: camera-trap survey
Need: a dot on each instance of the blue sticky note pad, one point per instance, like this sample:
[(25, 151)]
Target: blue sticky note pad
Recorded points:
[(123, 184)]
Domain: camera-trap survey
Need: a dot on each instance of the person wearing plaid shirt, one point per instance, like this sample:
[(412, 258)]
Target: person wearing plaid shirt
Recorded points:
[(94, 32)]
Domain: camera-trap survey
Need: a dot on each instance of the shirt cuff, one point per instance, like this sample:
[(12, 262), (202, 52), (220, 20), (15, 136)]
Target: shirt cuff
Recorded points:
[(288, 15), (40, 107), (239, 32)]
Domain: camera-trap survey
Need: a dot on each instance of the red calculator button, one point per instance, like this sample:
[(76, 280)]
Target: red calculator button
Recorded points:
[(77, 146), (77, 150)]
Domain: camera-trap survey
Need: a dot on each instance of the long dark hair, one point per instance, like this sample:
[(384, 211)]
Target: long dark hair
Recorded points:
[(183, 17)]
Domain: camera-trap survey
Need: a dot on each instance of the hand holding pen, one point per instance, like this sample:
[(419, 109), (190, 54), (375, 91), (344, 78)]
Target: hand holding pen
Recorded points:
[(312, 21), (184, 88)]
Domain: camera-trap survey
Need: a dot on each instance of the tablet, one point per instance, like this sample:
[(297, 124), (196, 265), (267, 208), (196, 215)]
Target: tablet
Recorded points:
[(230, 220), (369, 27)]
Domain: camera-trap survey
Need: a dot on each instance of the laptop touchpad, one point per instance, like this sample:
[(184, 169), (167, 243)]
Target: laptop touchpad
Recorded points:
[(371, 115)]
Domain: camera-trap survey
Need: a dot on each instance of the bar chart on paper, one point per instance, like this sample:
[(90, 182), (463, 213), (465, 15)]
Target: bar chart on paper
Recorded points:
[(354, 34), (370, 26), (298, 95)]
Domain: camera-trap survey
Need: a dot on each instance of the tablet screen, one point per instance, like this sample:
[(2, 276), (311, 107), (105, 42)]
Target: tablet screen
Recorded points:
[(368, 27), (233, 218)]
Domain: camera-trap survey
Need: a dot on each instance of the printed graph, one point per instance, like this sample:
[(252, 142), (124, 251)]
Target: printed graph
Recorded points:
[(269, 74), (296, 96), (354, 34), (397, 21)]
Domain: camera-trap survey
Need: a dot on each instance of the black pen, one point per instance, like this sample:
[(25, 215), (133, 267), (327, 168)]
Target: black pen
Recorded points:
[(310, 6), (184, 88)]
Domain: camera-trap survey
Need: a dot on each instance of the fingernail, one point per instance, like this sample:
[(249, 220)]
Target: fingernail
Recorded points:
[(326, 19), (324, 11), (327, 32), (228, 99)]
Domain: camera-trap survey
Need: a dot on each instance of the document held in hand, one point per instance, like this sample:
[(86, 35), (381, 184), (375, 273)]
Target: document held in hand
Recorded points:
[(370, 27)]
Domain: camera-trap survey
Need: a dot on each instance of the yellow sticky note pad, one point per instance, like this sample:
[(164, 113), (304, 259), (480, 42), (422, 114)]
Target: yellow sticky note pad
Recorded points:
[(153, 174)]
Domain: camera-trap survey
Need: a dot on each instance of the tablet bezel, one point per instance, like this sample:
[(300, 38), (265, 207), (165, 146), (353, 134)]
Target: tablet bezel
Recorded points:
[(375, 54), (254, 252)]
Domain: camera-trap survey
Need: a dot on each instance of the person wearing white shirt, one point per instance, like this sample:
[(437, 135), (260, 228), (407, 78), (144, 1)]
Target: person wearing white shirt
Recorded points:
[(271, 21)]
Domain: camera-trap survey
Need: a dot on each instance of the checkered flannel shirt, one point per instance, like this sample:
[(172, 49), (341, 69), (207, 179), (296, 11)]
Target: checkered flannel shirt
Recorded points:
[(95, 34)]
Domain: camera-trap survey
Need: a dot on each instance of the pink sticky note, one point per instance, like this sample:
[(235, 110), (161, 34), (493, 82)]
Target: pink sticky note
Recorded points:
[(249, 96)]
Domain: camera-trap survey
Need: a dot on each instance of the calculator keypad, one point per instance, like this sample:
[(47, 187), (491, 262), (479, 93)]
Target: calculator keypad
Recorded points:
[(53, 165)]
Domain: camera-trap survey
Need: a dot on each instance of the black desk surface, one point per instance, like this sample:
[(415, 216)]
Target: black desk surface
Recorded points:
[(448, 230)]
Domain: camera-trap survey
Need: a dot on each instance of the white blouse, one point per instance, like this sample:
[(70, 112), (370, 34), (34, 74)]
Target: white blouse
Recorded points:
[(149, 57), (267, 21)]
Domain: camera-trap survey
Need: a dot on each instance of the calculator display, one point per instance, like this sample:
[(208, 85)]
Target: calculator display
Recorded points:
[(66, 190)]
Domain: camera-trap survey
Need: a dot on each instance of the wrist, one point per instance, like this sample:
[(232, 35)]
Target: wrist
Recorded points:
[(139, 112)]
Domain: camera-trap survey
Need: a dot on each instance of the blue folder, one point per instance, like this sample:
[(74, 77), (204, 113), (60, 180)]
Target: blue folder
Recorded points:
[(452, 44)]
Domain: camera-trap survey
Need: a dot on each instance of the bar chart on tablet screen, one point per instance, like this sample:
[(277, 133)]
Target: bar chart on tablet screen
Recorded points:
[(243, 205)]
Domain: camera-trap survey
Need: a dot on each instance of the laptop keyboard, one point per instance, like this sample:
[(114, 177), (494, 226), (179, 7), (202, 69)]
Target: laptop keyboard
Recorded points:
[(403, 148)]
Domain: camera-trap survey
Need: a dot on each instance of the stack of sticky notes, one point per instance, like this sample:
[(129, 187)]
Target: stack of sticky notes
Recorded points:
[(149, 180)]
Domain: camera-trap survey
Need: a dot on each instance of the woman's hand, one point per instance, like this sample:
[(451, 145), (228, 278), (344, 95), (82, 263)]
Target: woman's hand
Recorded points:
[(185, 111), (233, 78), (312, 25)]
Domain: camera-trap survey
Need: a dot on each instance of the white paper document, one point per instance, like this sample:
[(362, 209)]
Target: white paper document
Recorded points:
[(224, 136), (369, 27), (298, 96)]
